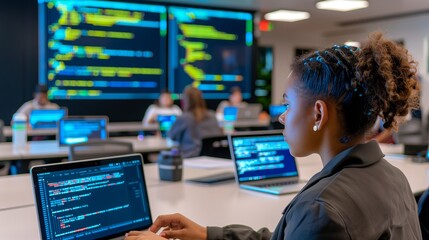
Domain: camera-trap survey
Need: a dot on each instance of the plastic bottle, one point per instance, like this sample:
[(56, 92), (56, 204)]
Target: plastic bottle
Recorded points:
[(19, 130)]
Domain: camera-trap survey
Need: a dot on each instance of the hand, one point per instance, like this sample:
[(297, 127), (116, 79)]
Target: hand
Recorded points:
[(178, 226), (142, 235)]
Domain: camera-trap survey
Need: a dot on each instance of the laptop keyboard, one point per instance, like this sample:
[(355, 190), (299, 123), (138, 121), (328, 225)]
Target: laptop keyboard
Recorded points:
[(277, 184)]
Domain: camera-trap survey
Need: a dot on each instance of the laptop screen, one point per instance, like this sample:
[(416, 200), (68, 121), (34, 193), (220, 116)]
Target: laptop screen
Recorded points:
[(276, 111), (46, 118), (230, 113), (78, 130), (165, 123), (260, 157), (91, 199)]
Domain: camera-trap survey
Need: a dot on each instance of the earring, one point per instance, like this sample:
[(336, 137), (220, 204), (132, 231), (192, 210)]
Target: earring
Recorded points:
[(315, 128)]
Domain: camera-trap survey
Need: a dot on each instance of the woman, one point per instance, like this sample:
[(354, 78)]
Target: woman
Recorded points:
[(333, 97), (235, 100), (195, 124), (164, 106)]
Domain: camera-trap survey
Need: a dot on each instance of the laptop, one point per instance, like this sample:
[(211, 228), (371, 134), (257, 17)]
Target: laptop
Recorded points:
[(165, 123), (249, 112), (46, 118), (100, 198), (72, 130), (230, 114), (276, 111), (263, 163)]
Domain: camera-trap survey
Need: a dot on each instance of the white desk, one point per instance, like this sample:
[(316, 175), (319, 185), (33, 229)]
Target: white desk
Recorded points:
[(50, 149), (113, 127), (228, 204)]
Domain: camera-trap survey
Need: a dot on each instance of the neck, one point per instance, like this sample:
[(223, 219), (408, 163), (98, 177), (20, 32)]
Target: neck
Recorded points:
[(332, 147)]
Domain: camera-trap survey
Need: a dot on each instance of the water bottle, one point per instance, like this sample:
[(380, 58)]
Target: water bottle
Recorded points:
[(19, 130)]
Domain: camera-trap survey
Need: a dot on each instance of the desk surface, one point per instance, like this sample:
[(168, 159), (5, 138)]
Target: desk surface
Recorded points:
[(50, 149), (134, 127), (228, 204)]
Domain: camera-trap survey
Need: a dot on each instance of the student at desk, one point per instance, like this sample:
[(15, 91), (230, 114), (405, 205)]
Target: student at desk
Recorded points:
[(333, 97), (163, 106), (235, 100), (40, 101), (195, 124)]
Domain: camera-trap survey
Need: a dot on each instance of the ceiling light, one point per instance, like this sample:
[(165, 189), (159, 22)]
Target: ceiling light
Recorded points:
[(342, 5), (286, 16)]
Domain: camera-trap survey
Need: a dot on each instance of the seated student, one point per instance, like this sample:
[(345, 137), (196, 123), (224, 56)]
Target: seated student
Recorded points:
[(333, 97), (40, 101), (195, 124), (163, 106), (235, 99)]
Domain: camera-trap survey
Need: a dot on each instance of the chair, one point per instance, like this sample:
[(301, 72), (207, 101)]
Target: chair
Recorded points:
[(424, 214), (216, 146), (4, 165), (99, 148)]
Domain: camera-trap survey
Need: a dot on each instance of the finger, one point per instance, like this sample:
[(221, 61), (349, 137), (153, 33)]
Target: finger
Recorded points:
[(174, 234), (134, 233), (164, 221), (131, 238)]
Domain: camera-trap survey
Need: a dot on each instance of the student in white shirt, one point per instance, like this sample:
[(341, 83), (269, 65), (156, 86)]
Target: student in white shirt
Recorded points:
[(164, 106), (235, 100), (40, 101)]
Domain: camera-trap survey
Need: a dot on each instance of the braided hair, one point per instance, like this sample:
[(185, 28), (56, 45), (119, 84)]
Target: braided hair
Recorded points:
[(377, 80)]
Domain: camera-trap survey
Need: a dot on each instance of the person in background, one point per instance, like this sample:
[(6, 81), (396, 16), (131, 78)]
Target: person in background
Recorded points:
[(196, 123), (163, 106), (333, 98), (40, 101), (235, 99)]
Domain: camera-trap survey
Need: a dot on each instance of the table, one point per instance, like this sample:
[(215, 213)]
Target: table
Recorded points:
[(113, 127), (50, 149), (228, 203)]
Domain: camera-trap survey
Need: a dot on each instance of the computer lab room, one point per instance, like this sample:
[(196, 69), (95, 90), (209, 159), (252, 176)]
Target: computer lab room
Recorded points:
[(214, 119)]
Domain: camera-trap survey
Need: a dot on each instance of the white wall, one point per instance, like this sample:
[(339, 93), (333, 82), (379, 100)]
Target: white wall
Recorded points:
[(414, 31), (284, 44)]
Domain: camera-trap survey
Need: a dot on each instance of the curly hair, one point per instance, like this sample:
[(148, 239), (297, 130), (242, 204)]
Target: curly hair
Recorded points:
[(378, 80)]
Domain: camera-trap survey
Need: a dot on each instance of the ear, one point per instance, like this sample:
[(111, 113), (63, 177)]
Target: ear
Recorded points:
[(320, 111)]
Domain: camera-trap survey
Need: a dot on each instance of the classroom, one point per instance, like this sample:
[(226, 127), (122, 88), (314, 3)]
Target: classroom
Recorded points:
[(214, 119)]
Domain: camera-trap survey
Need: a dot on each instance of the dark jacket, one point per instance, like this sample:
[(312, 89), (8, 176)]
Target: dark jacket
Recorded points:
[(189, 133), (357, 195)]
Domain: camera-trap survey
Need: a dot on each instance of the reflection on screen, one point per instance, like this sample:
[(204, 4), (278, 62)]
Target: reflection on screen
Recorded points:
[(72, 131), (165, 123), (263, 157), (210, 49), (46, 118), (92, 202), (102, 49)]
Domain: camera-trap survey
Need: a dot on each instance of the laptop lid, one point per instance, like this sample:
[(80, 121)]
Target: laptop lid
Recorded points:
[(250, 111), (72, 130), (165, 123), (93, 199), (261, 156), (46, 118)]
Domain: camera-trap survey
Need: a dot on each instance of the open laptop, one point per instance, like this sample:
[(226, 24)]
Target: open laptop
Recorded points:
[(72, 130), (165, 123), (46, 118), (263, 163), (92, 199), (230, 113), (249, 112)]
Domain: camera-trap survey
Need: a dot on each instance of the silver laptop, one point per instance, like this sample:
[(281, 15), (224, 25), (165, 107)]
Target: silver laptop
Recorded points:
[(249, 112), (92, 199), (263, 163)]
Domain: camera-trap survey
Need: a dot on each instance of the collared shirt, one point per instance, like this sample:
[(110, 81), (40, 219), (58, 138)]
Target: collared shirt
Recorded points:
[(31, 105), (357, 195)]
